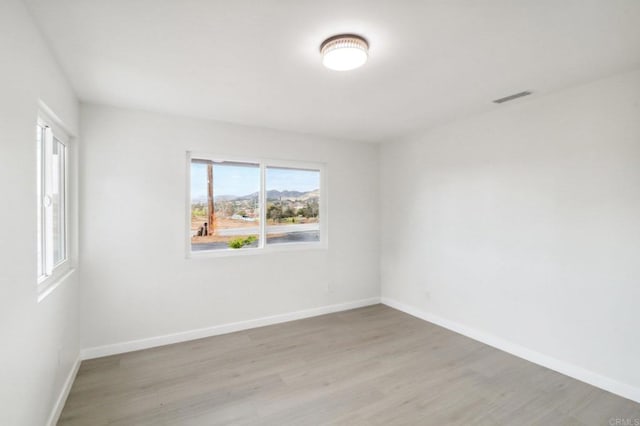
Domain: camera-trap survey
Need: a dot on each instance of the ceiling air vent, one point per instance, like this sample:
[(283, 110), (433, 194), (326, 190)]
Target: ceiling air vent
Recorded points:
[(512, 97)]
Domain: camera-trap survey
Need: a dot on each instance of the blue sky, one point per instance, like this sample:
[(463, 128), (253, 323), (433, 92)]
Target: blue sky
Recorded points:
[(292, 180), (241, 180)]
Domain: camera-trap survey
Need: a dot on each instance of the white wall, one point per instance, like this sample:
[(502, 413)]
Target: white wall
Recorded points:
[(524, 224), (138, 283), (39, 342)]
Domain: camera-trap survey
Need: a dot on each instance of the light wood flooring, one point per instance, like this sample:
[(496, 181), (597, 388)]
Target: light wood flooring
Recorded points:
[(373, 365)]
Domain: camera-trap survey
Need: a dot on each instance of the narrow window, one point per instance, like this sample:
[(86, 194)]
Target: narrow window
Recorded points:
[(52, 234)]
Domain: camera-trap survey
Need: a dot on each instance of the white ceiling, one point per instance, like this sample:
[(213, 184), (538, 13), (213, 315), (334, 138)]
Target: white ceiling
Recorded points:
[(257, 62)]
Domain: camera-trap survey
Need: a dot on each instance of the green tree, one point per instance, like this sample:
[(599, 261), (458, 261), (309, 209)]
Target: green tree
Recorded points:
[(274, 212)]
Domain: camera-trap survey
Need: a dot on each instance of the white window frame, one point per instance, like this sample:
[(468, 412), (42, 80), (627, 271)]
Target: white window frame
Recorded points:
[(263, 247), (53, 274)]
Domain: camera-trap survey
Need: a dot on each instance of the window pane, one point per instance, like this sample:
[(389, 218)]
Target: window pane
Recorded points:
[(39, 186), (58, 201), (293, 205), (227, 195)]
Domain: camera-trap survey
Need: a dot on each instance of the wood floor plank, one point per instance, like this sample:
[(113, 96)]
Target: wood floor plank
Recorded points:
[(367, 366)]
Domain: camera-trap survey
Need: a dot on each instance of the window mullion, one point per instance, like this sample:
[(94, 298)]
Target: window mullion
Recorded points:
[(263, 207)]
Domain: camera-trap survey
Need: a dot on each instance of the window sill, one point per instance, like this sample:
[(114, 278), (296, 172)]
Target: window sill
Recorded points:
[(280, 248), (47, 287)]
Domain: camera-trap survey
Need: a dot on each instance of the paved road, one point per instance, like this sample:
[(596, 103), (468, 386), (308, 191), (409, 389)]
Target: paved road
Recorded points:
[(275, 229), (292, 237)]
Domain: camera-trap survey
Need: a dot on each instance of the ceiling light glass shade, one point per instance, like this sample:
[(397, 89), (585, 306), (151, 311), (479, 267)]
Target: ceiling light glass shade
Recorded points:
[(344, 52)]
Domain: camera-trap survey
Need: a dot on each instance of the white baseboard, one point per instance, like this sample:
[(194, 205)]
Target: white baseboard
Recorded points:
[(622, 389), (64, 393), (151, 342)]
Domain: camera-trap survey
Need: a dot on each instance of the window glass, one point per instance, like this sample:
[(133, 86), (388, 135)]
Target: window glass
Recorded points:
[(225, 205), (293, 205), (40, 133), (58, 201)]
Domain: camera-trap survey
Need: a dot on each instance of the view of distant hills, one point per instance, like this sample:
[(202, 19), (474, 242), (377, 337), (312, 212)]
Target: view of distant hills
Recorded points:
[(271, 195)]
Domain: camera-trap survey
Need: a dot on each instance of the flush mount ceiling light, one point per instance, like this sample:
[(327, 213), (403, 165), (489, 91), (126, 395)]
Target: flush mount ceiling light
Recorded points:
[(344, 52)]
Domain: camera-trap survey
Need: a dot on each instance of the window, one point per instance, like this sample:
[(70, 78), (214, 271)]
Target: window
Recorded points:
[(52, 235), (244, 205)]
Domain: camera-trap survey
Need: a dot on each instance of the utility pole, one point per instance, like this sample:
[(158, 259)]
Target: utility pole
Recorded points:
[(212, 213)]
